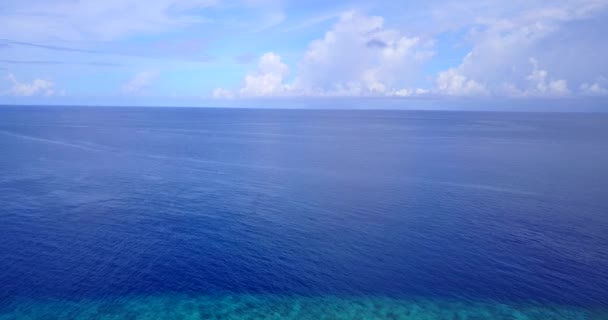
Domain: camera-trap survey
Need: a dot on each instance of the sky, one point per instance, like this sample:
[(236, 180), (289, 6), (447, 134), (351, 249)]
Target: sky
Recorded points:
[(201, 52)]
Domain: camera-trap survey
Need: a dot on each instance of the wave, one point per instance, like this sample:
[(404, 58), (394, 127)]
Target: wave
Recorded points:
[(87, 146)]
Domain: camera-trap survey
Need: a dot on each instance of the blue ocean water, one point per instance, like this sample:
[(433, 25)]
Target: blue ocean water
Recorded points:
[(157, 213)]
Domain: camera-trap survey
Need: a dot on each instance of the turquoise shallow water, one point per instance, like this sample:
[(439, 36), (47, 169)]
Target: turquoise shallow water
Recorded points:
[(248, 306)]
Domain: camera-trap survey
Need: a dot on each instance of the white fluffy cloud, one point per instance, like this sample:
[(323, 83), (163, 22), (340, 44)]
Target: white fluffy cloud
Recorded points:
[(537, 83), (38, 87), (221, 93), (541, 84), (452, 83), (268, 79), (533, 51), (357, 56), (360, 56), (520, 54), (140, 82), (597, 88)]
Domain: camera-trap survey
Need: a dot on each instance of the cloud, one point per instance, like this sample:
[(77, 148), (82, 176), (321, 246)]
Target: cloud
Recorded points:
[(508, 50), (140, 82), (268, 79), (270, 19), (375, 43), (527, 50), (220, 93), (517, 48), (360, 56), (8, 43), (451, 82), (98, 20), (540, 84), (55, 62), (312, 21), (38, 87), (596, 88), (166, 49)]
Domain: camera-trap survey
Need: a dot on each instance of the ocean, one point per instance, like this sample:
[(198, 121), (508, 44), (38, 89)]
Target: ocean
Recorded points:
[(201, 213)]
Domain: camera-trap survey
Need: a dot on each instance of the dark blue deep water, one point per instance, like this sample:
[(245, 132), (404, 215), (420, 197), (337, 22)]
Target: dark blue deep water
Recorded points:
[(150, 213)]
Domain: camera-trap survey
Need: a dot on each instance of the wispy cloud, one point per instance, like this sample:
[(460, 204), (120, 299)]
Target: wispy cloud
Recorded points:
[(140, 82), (98, 20), (310, 22), (8, 43), (56, 62), (161, 49)]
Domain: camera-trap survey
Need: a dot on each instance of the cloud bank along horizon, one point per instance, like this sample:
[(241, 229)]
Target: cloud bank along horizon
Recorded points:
[(128, 51)]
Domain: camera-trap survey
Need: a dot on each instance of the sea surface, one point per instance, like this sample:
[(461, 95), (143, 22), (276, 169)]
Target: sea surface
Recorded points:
[(185, 213)]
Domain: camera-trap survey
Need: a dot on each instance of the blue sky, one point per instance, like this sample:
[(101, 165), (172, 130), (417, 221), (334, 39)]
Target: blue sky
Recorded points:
[(195, 52)]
